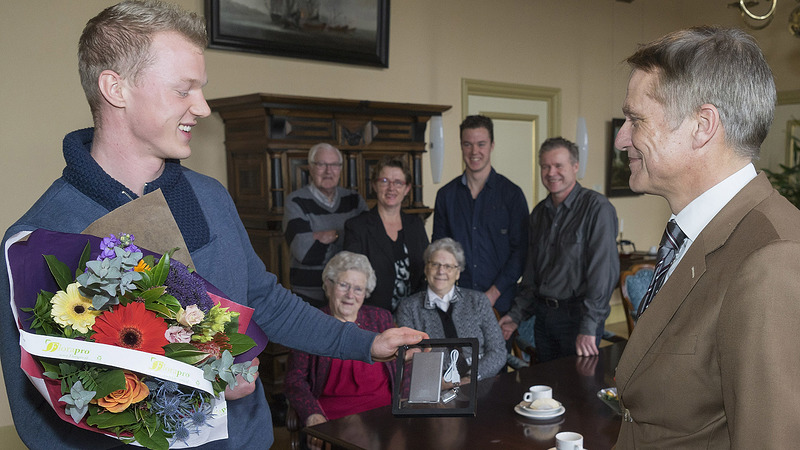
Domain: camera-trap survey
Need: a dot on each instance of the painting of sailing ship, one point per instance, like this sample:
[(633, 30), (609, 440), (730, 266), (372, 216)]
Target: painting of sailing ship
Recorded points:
[(344, 31)]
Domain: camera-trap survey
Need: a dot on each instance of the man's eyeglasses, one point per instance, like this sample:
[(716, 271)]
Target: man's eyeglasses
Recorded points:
[(447, 267), (343, 287), (396, 183), (332, 166)]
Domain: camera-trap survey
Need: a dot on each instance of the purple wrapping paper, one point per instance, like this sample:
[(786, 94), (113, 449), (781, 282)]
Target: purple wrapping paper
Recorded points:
[(31, 274)]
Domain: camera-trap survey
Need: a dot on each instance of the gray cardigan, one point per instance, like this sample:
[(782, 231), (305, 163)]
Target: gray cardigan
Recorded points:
[(473, 317)]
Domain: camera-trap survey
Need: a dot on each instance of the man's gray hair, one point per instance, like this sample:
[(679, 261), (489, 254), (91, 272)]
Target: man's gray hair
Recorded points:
[(312, 152), (713, 65)]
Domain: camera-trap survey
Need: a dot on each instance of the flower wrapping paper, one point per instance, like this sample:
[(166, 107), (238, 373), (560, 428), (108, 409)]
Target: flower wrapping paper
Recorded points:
[(29, 274)]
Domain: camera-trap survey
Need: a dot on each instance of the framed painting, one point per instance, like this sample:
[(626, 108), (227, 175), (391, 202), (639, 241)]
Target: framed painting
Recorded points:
[(342, 31), (618, 173), (792, 143)]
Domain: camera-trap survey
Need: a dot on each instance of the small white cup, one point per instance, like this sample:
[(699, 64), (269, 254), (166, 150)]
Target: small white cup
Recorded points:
[(567, 440), (537, 392)]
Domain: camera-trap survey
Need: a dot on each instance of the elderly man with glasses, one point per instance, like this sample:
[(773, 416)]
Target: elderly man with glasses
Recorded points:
[(313, 222)]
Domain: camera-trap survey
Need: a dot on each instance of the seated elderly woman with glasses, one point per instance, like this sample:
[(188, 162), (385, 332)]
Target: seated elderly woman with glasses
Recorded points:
[(321, 388), (445, 310), (392, 240)]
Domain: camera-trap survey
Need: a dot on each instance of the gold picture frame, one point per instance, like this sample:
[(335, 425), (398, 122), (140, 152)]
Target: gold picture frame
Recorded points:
[(342, 31)]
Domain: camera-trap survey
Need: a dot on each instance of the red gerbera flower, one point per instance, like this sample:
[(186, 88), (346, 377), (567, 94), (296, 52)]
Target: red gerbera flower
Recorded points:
[(131, 326)]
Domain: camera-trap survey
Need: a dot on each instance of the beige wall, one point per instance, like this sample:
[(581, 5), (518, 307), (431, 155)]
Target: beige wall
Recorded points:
[(574, 45)]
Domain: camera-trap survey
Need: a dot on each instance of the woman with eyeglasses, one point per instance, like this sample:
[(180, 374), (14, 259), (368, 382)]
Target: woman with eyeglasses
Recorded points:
[(445, 310), (320, 388), (392, 240)]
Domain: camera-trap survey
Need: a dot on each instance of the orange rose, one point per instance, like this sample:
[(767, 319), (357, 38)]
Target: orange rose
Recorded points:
[(118, 401)]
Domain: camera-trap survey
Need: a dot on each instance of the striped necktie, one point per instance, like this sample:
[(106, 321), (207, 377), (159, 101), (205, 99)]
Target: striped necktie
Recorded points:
[(670, 243)]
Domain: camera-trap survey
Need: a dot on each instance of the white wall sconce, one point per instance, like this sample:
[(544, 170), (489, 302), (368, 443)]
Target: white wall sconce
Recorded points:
[(437, 148), (582, 141)]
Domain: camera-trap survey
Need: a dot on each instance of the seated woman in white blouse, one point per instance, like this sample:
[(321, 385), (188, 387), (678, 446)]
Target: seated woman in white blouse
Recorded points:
[(444, 310)]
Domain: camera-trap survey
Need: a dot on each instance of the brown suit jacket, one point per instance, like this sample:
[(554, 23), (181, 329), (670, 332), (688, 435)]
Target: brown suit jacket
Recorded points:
[(715, 362)]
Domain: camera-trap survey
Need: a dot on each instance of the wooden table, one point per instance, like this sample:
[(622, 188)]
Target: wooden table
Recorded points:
[(575, 382)]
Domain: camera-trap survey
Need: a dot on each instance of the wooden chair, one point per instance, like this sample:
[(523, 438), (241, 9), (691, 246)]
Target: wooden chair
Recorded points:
[(520, 345), (633, 284), (294, 426)]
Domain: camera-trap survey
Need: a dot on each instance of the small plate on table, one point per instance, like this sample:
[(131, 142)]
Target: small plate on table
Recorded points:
[(538, 414), (609, 397)]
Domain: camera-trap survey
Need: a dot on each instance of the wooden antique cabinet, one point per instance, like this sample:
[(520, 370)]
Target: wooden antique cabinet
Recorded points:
[(267, 138)]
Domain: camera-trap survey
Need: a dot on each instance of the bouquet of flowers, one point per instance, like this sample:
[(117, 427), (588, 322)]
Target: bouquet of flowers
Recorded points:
[(124, 341)]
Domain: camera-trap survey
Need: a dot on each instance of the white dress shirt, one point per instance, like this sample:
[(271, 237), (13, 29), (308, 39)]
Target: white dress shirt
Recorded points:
[(442, 303), (697, 214)]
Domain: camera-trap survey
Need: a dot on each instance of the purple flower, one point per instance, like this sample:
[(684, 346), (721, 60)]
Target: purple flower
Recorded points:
[(107, 246), (187, 287), (124, 241)]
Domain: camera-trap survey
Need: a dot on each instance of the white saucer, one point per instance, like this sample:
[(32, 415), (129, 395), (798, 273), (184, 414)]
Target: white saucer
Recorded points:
[(553, 448), (534, 414)]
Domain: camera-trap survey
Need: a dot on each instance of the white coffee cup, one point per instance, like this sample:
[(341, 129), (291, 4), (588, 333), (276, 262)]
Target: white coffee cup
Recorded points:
[(567, 440), (537, 392)]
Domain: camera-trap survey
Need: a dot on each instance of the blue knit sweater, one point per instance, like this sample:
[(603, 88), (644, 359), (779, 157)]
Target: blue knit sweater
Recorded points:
[(222, 254)]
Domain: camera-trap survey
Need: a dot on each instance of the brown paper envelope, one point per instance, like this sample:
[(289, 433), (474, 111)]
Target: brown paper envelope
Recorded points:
[(150, 221)]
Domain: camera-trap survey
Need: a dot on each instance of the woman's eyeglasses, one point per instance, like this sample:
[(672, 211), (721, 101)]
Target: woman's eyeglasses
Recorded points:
[(396, 183), (343, 287)]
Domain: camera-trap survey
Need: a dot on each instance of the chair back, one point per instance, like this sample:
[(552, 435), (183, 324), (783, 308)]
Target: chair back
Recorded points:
[(521, 342), (633, 284)]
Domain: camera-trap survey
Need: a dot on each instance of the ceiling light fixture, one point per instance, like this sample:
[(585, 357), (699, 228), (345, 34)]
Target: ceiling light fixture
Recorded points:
[(758, 22), (761, 21)]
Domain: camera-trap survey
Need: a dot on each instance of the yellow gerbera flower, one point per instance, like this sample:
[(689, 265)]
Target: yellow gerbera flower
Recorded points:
[(72, 308)]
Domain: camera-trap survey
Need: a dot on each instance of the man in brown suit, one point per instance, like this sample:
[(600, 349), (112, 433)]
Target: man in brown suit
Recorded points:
[(712, 362)]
